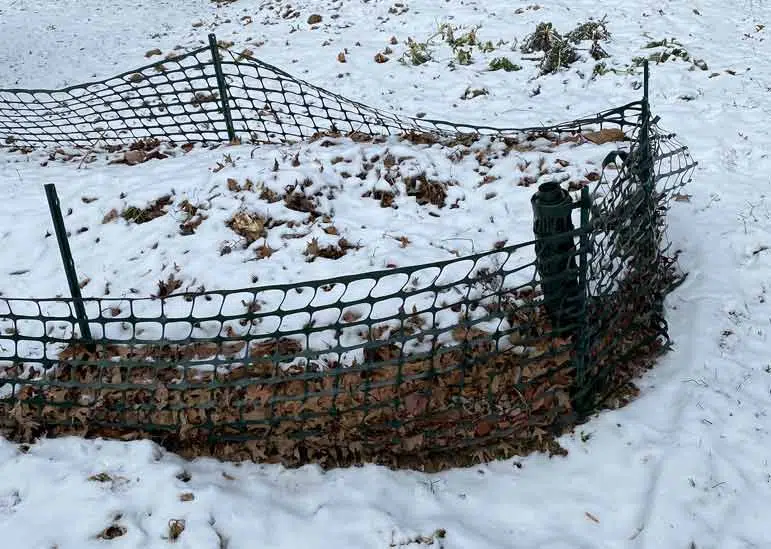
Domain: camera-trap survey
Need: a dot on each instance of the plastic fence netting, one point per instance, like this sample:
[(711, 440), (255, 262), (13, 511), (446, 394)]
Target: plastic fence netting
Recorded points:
[(425, 366), (175, 99), (180, 100)]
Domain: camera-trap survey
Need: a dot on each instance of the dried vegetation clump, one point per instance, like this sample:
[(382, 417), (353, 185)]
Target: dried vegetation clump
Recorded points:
[(330, 251), (154, 210), (193, 217), (250, 226), (560, 51), (141, 151), (426, 191)]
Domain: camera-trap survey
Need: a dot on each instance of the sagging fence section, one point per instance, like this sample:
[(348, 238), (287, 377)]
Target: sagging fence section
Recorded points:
[(424, 366), (212, 95)]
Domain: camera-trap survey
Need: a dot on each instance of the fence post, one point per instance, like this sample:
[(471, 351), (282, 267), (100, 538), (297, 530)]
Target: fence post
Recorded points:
[(645, 159), (643, 169), (69, 263), (582, 343), (555, 253), (223, 89)]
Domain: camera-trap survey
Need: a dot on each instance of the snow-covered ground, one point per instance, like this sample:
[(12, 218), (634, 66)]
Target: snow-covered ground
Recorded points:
[(685, 465), (241, 216)]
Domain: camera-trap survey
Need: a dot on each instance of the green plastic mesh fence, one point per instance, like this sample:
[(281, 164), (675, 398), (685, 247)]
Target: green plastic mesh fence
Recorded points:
[(176, 99), (181, 101), (426, 366)]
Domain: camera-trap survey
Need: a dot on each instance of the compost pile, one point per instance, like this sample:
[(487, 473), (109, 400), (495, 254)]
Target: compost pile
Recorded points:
[(456, 406)]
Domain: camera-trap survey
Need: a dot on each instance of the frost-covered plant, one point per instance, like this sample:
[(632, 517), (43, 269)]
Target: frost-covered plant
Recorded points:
[(560, 55), (544, 37), (591, 30), (417, 53), (503, 63)]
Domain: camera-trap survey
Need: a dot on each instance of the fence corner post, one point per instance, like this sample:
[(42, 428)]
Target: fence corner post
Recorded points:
[(222, 86), (555, 253), (69, 263)]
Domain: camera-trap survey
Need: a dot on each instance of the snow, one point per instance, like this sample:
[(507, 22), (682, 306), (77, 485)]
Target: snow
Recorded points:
[(684, 465), (338, 178), (248, 230)]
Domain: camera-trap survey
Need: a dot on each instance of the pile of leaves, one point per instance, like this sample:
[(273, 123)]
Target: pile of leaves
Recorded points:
[(142, 151), (137, 152), (456, 406)]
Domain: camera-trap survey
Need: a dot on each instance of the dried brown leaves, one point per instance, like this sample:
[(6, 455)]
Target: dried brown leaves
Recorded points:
[(608, 135), (427, 191), (140, 152), (330, 251), (193, 218), (250, 226), (168, 286), (154, 210), (317, 412)]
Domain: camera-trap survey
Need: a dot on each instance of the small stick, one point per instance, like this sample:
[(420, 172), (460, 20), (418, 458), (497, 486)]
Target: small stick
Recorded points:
[(91, 150)]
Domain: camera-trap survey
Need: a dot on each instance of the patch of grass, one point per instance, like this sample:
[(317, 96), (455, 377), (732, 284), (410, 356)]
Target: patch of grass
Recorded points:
[(602, 68), (558, 51), (461, 43), (503, 63), (487, 47), (447, 31), (656, 44)]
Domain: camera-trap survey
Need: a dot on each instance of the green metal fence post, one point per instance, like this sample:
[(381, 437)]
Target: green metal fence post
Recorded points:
[(223, 89), (582, 343), (646, 154), (644, 171), (555, 252), (69, 263)]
